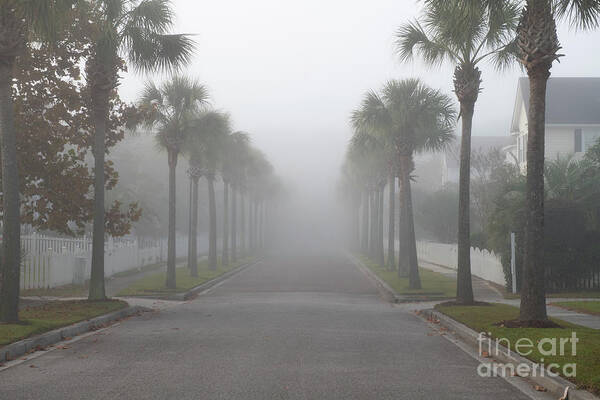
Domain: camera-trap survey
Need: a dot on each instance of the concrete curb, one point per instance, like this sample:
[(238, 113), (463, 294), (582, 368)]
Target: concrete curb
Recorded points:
[(555, 385), (385, 290), (17, 349), (208, 284)]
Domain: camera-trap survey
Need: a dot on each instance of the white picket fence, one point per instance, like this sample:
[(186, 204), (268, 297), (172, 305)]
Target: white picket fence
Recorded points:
[(49, 262), (484, 264)]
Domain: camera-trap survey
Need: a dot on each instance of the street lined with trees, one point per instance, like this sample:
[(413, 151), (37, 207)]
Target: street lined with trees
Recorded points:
[(240, 317)]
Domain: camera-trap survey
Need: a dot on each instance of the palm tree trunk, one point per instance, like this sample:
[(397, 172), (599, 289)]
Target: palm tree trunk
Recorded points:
[(242, 224), (11, 240), (100, 115), (250, 225), (212, 236), (265, 224), (257, 224), (260, 224), (533, 294), (414, 281), (380, 251), (402, 232), (373, 237), (391, 256), (190, 201), (193, 257), (225, 256), (171, 241), (464, 287), (356, 223), (233, 224), (365, 222)]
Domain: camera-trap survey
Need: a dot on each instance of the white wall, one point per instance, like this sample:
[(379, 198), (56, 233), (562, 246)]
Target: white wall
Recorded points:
[(560, 141), (484, 264)]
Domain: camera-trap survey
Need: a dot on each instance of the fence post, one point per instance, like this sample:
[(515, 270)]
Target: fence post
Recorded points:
[(513, 266)]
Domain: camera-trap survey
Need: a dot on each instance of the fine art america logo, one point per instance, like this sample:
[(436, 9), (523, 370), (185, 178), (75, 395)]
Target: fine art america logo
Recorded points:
[(545, 347)]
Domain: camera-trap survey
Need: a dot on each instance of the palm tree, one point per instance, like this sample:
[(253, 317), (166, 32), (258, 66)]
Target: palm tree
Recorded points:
[(19, 22), (225, 250), (391, 255), (258, 172), (170, 109), (198, 138), (414, 118), (538, 47), (238, 151), (465, 34), (212, 152), (137, 29), (350, 190), (368, 156)]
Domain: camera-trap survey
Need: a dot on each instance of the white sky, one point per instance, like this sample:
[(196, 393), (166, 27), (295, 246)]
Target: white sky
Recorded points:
[(290, 72)]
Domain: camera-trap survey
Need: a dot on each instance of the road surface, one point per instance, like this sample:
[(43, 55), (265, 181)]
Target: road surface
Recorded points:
[(291, 327)]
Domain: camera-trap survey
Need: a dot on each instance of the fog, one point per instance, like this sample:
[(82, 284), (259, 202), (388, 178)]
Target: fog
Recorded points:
[(291, 72)]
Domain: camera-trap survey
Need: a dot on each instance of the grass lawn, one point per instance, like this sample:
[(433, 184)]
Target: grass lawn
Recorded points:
[(483, 319), (560, 295), (83, 290), (434, 285), (586, 307), (155, 284), (61, 291), (56, 314)]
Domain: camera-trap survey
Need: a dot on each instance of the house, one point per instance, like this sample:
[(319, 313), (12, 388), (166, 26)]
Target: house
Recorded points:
[(483, 144), (572, 117)]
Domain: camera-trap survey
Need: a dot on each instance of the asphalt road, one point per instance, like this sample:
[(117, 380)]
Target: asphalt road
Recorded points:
[(292, 327)]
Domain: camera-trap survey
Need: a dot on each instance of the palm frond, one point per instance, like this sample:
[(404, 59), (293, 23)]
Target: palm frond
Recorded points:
[(372, 117), (460, 31), (581, 14), (152, 16), (411, 38), (506, 56), (150, 52)]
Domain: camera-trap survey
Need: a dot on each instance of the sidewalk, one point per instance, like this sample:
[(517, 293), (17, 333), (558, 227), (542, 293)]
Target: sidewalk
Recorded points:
[(484, 291)]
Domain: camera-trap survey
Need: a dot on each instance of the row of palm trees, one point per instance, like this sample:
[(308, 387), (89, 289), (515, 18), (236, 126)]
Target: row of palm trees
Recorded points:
[(391, 125), (467, 33), (180, 113), (122, 33), (134, 31)]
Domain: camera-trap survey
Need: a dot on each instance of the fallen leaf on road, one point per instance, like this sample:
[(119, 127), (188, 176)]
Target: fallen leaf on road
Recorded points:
[(32, 366), (540, 388)]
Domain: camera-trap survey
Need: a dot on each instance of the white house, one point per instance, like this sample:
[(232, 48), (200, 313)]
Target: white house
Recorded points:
[(451, 156), (572, 117)]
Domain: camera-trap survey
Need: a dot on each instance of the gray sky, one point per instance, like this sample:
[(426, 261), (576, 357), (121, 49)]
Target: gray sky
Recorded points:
[(290, 72)]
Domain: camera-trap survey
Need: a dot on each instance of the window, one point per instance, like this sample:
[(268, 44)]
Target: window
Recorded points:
[(522, 148), (578, 141), (590, 137)]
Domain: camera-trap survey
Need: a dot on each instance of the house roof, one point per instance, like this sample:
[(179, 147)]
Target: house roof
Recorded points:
[(568, 100), (478, 143)]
